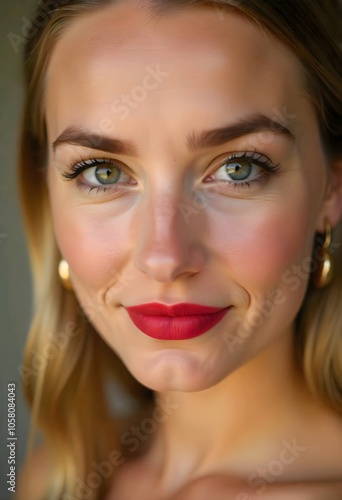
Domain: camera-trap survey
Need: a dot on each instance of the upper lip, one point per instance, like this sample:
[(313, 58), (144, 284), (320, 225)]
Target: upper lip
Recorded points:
[(181, 309)]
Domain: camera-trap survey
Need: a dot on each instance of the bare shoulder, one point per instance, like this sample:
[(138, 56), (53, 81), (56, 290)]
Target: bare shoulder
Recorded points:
[(34, 475)]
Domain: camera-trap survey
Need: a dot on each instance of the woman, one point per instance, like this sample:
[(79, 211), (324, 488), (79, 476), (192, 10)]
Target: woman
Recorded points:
[(181, 170)]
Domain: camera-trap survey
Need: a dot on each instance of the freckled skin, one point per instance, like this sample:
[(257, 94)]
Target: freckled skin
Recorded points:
[(139, 246)]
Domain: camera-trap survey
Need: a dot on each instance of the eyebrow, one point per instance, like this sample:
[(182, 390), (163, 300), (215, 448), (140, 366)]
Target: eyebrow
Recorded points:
[(78, 136), (253, 124), (257, 123)]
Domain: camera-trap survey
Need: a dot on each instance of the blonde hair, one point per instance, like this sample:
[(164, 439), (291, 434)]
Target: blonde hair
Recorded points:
[(66, 363)]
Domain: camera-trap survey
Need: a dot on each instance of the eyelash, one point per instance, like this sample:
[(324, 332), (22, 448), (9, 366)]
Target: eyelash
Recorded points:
[(256, 159), (83, 165)]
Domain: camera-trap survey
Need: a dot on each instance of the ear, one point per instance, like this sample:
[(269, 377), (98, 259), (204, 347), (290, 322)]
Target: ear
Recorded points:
[(332, 205)]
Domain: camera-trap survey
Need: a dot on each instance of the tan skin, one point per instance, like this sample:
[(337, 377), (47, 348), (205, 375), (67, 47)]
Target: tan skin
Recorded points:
[(235, 405)]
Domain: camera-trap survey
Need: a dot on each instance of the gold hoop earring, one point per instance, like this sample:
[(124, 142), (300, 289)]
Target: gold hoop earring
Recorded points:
[(64, 275), (325, 271)]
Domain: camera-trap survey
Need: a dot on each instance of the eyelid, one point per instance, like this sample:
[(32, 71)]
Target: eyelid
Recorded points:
[(86, 164), (83, 164), (266, 168), (258, 159)]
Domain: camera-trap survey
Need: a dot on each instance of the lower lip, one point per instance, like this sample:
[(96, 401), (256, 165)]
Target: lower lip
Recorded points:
[(176, 328)]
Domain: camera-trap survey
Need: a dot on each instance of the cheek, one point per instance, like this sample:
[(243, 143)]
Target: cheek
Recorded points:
[(260, 247), (96, 244)]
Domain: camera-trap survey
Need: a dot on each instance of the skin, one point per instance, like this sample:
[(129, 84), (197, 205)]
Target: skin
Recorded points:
[(237, 392)]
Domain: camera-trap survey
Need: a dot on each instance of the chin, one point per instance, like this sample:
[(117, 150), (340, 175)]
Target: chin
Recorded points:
[(164, 385), (176, 370)]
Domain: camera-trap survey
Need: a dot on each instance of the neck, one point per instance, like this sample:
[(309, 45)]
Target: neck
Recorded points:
[(237, 424)]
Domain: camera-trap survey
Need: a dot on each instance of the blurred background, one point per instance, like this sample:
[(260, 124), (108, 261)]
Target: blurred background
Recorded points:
[(15, 289)]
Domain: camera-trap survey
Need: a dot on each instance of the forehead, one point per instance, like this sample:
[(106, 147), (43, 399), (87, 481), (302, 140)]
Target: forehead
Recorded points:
[(201, 51)]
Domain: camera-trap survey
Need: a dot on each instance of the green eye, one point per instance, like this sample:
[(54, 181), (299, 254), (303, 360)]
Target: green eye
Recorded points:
[(107, 175), (239, 170), (242, 170), (101, 174)]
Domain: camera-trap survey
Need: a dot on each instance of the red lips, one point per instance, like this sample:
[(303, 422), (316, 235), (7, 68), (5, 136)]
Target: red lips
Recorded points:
[(175, 322)]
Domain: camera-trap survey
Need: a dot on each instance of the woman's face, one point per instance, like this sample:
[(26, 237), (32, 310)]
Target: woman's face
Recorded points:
[(189, 215)]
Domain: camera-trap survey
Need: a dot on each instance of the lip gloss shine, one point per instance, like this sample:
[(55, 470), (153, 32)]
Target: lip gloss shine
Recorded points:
[(177, 322)]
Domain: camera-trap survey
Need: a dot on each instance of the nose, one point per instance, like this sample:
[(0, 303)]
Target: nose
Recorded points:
[(169, 244)]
